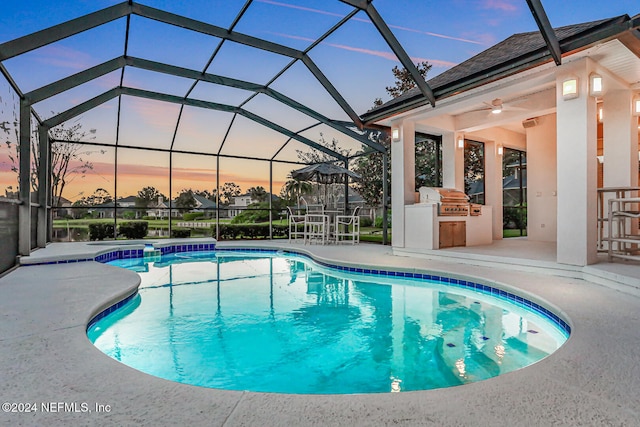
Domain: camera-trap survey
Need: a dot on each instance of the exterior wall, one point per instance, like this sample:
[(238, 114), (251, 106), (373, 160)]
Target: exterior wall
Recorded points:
[(542, 200)]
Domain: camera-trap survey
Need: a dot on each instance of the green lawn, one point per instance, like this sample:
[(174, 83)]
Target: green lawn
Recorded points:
[(513, 233)]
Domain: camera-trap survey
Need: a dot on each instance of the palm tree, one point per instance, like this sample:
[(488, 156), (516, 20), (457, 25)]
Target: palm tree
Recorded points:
[(294, 189)]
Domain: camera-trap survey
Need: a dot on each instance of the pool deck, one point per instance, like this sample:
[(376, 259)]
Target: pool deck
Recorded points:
[(45, 356)]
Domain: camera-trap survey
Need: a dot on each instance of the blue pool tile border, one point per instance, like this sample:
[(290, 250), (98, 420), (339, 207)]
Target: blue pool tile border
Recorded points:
[(164, 250), (131, 253), (461, 283), (95, 319)]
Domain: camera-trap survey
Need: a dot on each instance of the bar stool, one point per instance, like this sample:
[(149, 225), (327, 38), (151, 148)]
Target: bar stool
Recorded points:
[(316, 227)]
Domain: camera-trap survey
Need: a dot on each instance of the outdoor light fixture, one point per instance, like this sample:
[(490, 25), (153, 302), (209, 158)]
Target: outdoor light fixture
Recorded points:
[(496, 109), (500, 150), (595, 84), (461, 141), (570, 88), (395, 134)]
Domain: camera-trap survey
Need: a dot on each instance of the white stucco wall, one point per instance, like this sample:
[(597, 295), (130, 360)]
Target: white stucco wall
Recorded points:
[(542, 201)]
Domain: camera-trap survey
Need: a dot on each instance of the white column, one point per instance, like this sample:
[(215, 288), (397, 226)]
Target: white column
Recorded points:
[(620, 140), (577, 168), (493, 185), (452, 161), (402, 178)]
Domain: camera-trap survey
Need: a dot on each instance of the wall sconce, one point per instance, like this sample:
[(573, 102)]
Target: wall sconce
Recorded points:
[(600, 114), (636, 106), (461, 141), (500, 150), (595, 84), (570, 88), (395, 134)]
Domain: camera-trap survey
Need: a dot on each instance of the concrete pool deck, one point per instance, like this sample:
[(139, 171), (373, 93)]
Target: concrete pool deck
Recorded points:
[(46, 358)]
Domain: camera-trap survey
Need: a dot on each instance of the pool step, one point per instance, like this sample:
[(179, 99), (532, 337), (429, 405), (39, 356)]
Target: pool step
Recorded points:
[(152, 253)]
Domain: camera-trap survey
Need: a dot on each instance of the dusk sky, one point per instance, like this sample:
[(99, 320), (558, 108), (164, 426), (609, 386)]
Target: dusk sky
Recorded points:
[(355, 59)]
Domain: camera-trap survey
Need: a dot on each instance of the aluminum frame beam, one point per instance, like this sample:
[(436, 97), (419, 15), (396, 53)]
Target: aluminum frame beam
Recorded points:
[(126, 9), (549, 35), (81, 108), (62, 31), (106, 96), (240, 84), (24, 216), (44, 186), (77, 79), (85, 76), (213, 30), (230, 109), (394, 44)]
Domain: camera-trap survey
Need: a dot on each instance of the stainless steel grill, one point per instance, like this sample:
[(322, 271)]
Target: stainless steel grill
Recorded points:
[(451, 202)]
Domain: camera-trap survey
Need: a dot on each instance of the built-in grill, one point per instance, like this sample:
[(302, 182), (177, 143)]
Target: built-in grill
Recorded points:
[(451, 202)]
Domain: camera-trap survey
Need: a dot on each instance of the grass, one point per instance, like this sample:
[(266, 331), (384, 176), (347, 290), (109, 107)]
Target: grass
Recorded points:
[(513, 233)]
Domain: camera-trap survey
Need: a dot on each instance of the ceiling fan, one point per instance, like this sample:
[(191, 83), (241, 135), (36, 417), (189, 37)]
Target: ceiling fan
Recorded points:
[(497, 106)]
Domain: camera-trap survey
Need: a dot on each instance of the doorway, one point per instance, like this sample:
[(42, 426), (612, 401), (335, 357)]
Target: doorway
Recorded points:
[(514, 193)]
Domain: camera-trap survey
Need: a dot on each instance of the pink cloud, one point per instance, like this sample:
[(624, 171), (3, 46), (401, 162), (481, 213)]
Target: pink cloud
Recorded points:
[(155, 113), (504, 5), (65, 57), (306, 9), (367, 21), (382, 54)]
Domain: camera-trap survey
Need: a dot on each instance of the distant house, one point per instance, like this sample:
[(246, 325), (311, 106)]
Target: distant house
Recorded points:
[(124, 204), (160, 209), (128, 204), (63, 209), (240, 204), (206, 206)]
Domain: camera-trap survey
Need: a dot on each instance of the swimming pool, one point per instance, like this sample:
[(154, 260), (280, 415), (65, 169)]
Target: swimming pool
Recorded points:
[(279, 322)]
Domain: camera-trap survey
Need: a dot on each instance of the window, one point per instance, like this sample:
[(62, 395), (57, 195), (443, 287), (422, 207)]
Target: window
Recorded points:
[(474, 171), (428, 160)]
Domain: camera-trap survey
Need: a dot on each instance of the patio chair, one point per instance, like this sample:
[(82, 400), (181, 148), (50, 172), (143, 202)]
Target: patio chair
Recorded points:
[(313, 208), (347, 227), (295, 220), (316, 228)]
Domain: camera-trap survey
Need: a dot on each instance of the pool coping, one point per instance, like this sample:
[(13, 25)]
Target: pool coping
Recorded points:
[(589, 380)]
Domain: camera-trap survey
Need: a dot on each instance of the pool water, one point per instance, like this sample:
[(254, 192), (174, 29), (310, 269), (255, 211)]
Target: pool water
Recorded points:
[(280, 323)]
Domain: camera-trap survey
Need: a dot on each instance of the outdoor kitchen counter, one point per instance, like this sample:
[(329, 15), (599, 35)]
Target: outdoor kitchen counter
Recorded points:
[(422, 226)]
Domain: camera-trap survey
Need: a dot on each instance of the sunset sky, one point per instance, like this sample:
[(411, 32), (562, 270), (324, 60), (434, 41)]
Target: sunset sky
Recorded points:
[(355, 59)]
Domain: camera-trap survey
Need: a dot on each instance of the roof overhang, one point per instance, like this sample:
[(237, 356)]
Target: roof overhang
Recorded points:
[(624, 29)]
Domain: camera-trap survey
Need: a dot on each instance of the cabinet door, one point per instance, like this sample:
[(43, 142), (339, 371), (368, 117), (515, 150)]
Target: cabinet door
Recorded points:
[(452, 233), (460, 233)]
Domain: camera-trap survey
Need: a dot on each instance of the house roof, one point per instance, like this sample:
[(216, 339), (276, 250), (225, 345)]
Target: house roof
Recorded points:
[(514, 54), (204, 202), (128, 199)]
